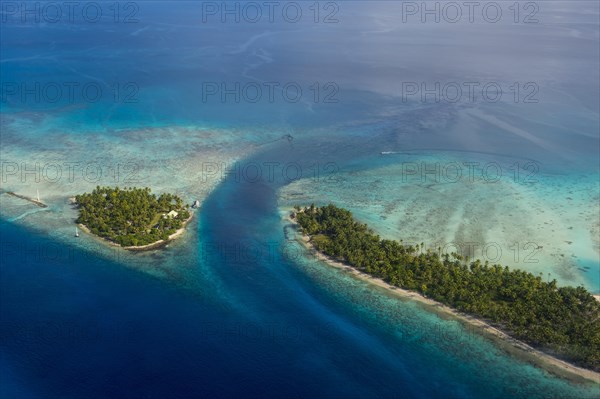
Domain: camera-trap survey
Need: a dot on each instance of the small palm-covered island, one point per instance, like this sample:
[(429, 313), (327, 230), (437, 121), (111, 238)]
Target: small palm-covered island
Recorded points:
[(132, 217), (563, 322)]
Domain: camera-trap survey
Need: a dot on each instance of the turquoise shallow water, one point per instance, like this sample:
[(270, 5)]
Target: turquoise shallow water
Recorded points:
[(223, 312), (492, 207)]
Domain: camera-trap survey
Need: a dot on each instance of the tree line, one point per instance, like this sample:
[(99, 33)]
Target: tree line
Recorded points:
[(130, 216), (562, 321)]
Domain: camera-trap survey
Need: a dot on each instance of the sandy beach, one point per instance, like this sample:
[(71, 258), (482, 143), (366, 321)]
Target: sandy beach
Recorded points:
[(147, 247), (507, 343)]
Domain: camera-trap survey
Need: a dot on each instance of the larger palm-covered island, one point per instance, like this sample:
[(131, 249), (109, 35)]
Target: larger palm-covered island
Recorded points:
[(564, 321), (131, 216)]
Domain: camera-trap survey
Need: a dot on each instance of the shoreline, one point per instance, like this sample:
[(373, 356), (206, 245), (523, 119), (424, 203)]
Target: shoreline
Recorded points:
[(148, 247), (501, 339)]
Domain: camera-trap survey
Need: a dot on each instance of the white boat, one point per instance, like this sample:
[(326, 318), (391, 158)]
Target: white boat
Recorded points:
[(76, 232)]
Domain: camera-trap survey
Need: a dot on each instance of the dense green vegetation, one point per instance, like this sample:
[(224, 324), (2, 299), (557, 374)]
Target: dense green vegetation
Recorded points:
[(564, 321), (131, 216)]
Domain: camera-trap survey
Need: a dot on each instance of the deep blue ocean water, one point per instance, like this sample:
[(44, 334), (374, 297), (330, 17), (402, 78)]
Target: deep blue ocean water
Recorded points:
[(255, 322), (75, 325)]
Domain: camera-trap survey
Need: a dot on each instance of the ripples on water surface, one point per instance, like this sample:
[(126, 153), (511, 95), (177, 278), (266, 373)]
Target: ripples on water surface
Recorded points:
[(222, 312)]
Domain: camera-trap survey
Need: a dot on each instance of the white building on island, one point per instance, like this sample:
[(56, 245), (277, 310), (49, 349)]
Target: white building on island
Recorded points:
[(171, 215)]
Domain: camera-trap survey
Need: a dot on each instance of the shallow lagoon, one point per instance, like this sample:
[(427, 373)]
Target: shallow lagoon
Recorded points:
[(541, 223), (176, 321)]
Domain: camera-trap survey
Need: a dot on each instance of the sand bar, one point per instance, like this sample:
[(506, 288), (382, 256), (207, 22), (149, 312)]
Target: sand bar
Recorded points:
[(33, 201)]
